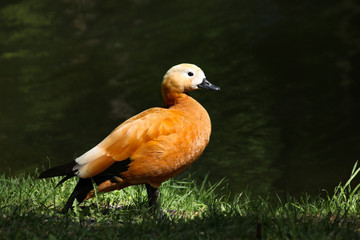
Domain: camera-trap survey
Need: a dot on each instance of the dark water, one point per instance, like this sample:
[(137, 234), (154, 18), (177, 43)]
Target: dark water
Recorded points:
[(287, 118)]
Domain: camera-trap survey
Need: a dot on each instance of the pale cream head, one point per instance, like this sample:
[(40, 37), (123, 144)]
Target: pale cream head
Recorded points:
[(183, 78)]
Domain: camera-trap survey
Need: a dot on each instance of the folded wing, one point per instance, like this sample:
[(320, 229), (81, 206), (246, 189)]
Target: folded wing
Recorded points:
[(127, 138)]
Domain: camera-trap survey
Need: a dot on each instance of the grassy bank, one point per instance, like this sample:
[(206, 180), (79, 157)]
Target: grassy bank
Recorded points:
[(29, 210)]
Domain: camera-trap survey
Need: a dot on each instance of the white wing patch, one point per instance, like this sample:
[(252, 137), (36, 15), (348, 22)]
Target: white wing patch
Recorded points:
[(89, 156)]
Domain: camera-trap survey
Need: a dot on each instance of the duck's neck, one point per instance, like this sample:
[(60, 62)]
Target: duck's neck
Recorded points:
[(185, 103), (171, 97)]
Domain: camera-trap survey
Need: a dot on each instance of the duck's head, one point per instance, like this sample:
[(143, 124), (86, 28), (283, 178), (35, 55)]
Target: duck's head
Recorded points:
[(184, 78)]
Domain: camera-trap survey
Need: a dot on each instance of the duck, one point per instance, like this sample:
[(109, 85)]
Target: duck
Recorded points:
[(148, 148)]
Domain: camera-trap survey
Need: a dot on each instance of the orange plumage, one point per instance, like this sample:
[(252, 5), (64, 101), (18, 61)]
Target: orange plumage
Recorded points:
[(150, 147)]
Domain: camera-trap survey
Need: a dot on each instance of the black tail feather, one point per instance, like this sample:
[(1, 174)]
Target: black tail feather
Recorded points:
[(66, 169), (63, 180), (82, 188), (63, 170), (84, 185)]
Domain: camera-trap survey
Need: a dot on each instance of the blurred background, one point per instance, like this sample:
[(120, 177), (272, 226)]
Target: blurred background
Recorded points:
[(286, 120)]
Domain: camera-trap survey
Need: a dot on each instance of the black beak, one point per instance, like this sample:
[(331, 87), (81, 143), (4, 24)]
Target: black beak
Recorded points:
[(207, 85)]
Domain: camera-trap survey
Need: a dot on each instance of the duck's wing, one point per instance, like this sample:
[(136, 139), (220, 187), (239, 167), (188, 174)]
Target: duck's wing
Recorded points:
[(127, 138)]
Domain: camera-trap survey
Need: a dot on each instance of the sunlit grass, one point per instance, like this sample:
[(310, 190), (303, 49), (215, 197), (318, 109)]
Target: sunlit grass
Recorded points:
[(29, 209)]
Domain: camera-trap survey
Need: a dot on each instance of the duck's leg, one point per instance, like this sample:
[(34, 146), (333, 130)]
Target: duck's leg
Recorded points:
[(153, 195)]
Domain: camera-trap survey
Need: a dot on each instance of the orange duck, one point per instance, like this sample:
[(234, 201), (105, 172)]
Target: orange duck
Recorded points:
[(148, 148)]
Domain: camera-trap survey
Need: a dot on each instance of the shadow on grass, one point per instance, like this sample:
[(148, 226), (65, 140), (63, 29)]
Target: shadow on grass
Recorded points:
[(130, 222), (29, 210)]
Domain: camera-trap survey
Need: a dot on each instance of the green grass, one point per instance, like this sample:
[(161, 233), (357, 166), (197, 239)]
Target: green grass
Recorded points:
[(29, 210)]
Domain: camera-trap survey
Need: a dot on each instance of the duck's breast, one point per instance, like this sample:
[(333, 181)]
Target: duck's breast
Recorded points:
[(167, 155)]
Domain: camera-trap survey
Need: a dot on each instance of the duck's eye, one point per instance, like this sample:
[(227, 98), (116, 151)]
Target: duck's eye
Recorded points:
[(190, 74)]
